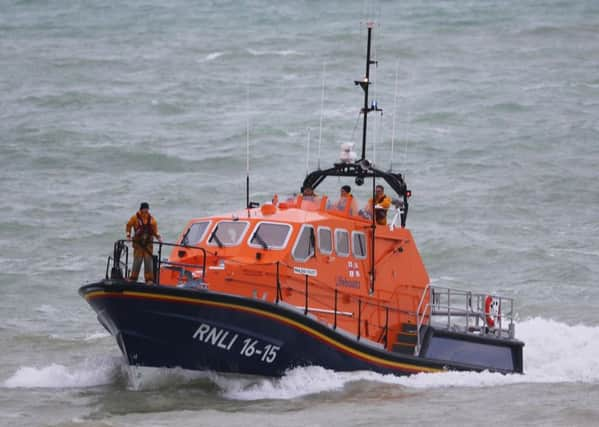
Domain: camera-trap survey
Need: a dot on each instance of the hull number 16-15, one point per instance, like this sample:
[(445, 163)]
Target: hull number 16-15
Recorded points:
[(228, 341)]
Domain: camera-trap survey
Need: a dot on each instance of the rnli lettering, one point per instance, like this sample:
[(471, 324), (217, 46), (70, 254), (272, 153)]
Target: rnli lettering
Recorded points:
[(214, 336), (226, 340), (342, 281)]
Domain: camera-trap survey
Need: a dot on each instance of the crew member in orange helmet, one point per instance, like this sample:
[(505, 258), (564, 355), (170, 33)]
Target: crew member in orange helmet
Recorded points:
[(382, 204), (145, 228)]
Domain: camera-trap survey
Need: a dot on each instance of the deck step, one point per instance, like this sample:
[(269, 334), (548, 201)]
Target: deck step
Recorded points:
[(399, 347), (408, 328), (407, 338)]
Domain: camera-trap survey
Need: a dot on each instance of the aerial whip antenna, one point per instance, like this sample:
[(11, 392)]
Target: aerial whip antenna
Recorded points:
[(308, 153), (247, 150), (324, 67), (364, 83), (394, 116)]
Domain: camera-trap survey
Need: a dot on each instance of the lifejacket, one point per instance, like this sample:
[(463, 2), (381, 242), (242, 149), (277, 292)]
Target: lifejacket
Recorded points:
[(343, 201), (143, 231), (380, 214)]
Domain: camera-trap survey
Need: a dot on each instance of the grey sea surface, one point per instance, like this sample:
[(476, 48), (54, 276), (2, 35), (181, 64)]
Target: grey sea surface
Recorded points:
[(492, 108)]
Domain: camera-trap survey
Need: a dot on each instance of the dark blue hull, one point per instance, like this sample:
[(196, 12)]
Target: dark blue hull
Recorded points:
[(203, 330)]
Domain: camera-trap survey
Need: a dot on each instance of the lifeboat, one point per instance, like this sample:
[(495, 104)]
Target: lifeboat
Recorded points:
[(299, 282)]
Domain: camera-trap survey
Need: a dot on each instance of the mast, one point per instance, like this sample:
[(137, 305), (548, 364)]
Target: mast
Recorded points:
[(364, 84)]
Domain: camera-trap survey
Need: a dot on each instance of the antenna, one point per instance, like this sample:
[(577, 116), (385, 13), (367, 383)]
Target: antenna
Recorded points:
[(406, 138), (364, 83), (324, 68), (247, 149), (394, 112), (378, 124), (373, 104), (308, 153)]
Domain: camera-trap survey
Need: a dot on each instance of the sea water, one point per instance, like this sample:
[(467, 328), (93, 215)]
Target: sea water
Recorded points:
[(492, 110)]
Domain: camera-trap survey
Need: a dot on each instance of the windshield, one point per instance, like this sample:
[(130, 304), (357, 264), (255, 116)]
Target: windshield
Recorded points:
[(228, 233), (270, 235), (195, 233), (342, 242), (325, 241), (359, 244), (304, 246)]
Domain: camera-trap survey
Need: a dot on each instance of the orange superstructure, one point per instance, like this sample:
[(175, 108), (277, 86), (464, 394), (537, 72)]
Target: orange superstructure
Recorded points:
[(314, 258)]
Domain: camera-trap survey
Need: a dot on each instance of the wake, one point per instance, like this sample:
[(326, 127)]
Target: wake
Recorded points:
[(554, 353)]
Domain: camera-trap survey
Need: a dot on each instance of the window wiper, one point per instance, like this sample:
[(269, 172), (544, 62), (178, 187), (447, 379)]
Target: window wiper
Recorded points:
[(213, 236), (260, 240), (184, 240), (361, 246)]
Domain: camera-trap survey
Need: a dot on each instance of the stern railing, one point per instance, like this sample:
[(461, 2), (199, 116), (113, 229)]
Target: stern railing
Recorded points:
[(465, 311)]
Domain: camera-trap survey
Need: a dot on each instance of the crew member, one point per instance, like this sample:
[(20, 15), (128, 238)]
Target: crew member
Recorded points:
[(346, 197), (309, 194), (145, 228), (381, 205)]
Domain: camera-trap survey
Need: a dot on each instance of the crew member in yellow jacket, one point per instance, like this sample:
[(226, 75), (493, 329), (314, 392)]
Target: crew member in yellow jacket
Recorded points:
[(145, 228), (381, 205)]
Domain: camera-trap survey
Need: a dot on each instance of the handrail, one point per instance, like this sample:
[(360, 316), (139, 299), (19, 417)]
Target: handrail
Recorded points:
[(420, 319), (121, 244), (361, 304), (176, 245), (450, 309), (121, 264)]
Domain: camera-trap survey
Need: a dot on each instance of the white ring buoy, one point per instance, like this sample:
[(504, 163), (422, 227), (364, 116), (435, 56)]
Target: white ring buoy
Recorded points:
[(492, 311)]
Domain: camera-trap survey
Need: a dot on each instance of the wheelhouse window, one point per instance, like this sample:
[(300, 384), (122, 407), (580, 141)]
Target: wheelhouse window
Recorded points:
[(227, 233), (269, 235), (304, 245), (195, 234), (342, 242), (359, 244), (325, 240)]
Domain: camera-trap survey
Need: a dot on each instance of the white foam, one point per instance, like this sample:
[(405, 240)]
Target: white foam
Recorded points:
[(46, 309), (273, 52), (142, 378), (554, 353), (212, 56), (90, 373), (96, 336), (297, 382)]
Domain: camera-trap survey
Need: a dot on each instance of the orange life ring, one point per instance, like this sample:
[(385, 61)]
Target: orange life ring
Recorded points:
[(492, 311)]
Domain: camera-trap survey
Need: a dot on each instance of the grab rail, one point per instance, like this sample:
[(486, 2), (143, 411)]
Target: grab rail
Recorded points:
[(420, 319), (122, 245), (465, 310), (305, 285)]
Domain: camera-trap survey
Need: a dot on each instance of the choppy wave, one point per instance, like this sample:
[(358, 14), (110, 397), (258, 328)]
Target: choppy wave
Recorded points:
[(212, 56), (91, 373), (286, 52), (554, 353)]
